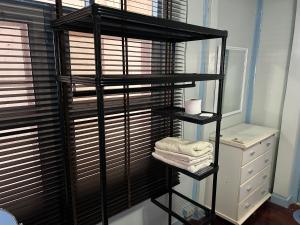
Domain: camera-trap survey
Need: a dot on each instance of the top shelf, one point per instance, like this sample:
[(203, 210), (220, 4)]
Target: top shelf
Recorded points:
[(115, 22)]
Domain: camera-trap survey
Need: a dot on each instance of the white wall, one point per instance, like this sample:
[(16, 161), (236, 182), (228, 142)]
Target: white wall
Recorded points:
[(193, 59), (287, 170), (238, 17), (272, 62), (145, 213), (234, 16)]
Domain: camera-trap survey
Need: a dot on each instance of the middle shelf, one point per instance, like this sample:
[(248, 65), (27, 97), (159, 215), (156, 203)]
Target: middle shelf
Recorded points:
[(140, 79), (179, 113)]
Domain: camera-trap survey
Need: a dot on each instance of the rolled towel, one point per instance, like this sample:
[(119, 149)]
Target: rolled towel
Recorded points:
[(187, 147), (184, 159), (191, 168)]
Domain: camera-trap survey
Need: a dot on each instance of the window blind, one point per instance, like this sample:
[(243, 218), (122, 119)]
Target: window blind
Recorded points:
[(131, 127), (32, 163)]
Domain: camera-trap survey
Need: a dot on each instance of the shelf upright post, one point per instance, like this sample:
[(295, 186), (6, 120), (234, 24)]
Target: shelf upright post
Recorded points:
[(63, 97), (100, 109), (218, 128), (171, 70), (126, 103)]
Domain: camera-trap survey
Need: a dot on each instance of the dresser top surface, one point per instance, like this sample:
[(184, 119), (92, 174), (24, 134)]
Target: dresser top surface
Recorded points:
[(245, 135)]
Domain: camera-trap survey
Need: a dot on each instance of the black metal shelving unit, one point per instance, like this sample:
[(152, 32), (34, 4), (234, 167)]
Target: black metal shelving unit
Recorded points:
[(100, 20)]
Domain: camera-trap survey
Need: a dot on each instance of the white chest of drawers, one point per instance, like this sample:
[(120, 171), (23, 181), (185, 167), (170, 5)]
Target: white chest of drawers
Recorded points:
[(246, 167)]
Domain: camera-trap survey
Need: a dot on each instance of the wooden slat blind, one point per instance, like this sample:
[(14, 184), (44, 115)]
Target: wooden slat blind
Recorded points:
[(31, 166), (31, 157)]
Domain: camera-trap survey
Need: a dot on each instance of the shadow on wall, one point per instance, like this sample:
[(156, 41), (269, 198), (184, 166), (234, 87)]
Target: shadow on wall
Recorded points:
[(296, 170), (144, 213)]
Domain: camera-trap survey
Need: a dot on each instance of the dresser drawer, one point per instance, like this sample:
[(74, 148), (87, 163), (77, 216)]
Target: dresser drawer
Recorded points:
[(258, 149), (252, 168), (253, 199), (252, 184)]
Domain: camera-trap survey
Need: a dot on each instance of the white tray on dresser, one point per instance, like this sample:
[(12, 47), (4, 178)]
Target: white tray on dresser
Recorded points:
[(246, 167)]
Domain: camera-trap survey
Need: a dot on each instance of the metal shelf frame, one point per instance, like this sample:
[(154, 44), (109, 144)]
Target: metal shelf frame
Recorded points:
[(116, 80), (100, 20), (133, 25)]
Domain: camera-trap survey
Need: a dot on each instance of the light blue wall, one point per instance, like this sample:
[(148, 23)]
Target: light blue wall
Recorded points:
[(238, 17), (287, 175), (268, 75), (245, 30), (254, 50), (296, 174), (241, 25), (204, 59), (202, 87), (272, 62)]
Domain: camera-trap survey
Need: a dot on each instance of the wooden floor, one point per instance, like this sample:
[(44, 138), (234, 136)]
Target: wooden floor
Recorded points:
[(268, 214)]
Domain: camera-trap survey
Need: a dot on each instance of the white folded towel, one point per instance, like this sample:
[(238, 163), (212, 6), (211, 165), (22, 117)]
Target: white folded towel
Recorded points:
[(184, 159), (191, 168), (187, 147)]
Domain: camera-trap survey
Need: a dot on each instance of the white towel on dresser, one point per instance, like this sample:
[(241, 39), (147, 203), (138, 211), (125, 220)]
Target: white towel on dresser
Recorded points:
[(187, 147), (185, 159), (191, 168)]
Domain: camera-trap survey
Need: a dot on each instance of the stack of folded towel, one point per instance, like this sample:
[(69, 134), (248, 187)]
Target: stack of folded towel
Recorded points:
[(188, 155)]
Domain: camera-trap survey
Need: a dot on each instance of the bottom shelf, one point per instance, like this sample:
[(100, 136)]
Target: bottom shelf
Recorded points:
[(204, 215), (199, 175)]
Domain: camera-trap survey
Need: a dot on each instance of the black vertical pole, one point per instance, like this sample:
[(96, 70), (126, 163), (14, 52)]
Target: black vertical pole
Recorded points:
[(171, 71), (170, 181), (218, 128), (58, 9), (128, 119), (100, 108), (63, 97), (126, 110)]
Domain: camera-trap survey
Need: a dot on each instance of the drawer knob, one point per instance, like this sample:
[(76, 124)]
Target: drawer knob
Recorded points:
[(268, 144), (247, 205), (249, 189), (250, 171), (267, 160), (265, 176), (252, 153)]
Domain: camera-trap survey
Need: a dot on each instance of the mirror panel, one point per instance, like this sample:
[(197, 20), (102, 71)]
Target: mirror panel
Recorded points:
[(234, 83)]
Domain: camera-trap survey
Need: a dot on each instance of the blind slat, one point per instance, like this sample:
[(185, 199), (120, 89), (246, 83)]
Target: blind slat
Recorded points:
[(31, 157), (31, 166)]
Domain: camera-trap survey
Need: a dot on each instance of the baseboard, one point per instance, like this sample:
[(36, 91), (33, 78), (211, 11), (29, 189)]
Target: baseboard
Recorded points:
[(279, 200)]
